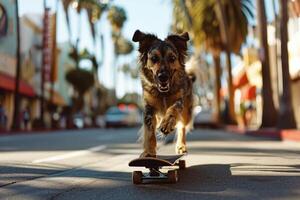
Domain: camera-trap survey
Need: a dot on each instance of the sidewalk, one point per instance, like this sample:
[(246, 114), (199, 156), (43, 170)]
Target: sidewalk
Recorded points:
[(284, 135)]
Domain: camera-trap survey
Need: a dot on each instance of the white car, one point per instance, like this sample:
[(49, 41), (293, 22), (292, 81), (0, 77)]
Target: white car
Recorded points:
[(122, 116)]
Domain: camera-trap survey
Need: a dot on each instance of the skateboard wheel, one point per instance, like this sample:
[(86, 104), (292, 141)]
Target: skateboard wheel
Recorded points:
[(154, 172), (172, 176), (181, 164), (137, 177)]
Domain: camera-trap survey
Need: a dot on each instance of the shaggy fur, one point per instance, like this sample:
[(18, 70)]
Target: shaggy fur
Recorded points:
[(167, 89)]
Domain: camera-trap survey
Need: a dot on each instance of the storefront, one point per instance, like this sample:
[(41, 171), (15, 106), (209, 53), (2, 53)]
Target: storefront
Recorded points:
[(7, 87)]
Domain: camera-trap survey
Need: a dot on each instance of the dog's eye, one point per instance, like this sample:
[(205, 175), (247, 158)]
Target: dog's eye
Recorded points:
[(154, 59), (172, 59)]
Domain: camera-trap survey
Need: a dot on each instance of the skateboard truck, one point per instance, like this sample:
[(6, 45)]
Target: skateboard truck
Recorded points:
[(155, 165)]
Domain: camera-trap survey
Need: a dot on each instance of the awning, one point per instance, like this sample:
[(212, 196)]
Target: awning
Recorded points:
[(7, 82)]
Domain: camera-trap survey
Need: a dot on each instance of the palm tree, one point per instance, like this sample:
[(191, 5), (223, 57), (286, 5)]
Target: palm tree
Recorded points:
[(269, 114), (286, 118), (94, 10), (222, 18), (276, 43), (16, 118), (81, 80), (117, 17), (205, 20)]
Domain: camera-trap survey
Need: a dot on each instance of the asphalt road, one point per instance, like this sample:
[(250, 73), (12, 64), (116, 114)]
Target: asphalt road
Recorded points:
[(93, 164)]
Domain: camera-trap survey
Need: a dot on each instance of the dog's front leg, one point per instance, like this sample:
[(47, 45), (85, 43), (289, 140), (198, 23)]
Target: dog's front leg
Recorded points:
[(149, 138), (169, 121)]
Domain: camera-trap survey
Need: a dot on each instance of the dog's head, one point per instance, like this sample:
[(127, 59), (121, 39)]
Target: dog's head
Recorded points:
[(162, 58)]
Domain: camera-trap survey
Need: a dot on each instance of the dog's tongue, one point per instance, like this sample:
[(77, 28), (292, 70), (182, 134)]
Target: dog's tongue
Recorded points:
[(163, 84), (163, 87)]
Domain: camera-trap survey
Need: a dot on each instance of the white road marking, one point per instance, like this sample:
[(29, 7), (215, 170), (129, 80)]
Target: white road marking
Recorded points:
[(70, 155)]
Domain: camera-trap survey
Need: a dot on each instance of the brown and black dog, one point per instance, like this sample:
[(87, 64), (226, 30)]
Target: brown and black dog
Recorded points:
[(167, 89)]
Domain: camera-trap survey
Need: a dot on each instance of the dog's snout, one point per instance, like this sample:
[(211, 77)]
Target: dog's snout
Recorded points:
[(163, 76)]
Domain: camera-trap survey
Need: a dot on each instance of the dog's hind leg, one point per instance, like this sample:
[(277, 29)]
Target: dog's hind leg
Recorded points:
[(181, 140), (149, 137)]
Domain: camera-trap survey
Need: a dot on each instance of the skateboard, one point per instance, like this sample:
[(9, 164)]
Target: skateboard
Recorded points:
[(155, 165)]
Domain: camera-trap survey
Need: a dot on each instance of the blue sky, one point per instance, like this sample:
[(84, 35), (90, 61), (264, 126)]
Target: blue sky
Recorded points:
[(150, 16)]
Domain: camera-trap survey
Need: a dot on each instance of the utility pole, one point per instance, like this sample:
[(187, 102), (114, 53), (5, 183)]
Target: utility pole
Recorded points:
[(16, 115)]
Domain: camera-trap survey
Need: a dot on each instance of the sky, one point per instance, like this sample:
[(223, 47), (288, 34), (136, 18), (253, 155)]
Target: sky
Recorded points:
[(150, 16)]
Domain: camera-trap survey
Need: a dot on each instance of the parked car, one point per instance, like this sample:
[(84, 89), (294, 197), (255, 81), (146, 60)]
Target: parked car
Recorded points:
[(203, 116), (78, 120), (118, 116)]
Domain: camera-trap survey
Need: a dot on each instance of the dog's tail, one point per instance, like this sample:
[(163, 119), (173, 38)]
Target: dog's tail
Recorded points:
[(191, 68)]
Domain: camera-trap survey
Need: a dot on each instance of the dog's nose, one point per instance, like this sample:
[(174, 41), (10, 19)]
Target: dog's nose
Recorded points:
[(163, 77)]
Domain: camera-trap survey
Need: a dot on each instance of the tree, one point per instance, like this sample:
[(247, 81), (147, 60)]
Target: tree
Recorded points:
[(206, 22), (286, 118), (94, 9), (82, 81), (269, 113), (117, 17)]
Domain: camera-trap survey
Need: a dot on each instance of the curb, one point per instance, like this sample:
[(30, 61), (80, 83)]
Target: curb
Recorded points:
[(283, 135), (41, 131)]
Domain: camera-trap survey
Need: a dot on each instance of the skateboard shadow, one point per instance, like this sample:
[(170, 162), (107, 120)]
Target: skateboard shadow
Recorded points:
[(204, 178), (197, 179), (211, 181)]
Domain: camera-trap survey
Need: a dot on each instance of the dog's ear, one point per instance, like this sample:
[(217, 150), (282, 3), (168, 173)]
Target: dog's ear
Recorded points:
[(180, 42), (138, 36), (145, 42)]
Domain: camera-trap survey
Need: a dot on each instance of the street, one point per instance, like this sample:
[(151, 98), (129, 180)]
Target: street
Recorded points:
[(93, 164)]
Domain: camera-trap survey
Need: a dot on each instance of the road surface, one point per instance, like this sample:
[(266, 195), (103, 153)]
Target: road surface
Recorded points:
[(93, 164)]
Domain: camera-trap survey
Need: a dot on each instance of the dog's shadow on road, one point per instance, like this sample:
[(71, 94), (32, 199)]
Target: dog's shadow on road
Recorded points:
[(197, 179), (212, 181), (204, 178)]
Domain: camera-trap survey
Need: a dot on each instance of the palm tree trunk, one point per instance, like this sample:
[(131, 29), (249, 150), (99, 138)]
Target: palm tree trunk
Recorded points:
[(232, 119), (66, 8), (102, 49), (186, 12), (78, 38), (16, 115), (286, 118), (226, 40), (217, 87), (276, 45), (269, 113)]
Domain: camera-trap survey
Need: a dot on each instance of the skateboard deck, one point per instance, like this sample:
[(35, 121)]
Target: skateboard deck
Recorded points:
[(155, 164), (158, 161)]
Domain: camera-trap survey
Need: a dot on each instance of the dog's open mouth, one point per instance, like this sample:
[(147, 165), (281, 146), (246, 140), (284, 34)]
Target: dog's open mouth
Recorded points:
[(163, 87)]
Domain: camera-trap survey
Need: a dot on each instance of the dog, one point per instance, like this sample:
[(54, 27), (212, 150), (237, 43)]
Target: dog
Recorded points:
[(167, 89)]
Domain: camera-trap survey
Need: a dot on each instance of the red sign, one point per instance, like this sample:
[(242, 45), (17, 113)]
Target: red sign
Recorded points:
[(47, 46)]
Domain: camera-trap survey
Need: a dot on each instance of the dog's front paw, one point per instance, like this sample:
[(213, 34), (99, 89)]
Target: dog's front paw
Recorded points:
[(181, 149), (168, 125), (146, 154)]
